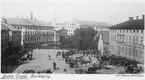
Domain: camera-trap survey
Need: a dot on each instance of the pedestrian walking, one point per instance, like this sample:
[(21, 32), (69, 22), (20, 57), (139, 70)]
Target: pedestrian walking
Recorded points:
[(49, 57), (54, 65)]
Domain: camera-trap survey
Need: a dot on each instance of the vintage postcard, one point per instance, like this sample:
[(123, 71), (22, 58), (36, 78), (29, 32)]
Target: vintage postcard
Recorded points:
[(40, 39)]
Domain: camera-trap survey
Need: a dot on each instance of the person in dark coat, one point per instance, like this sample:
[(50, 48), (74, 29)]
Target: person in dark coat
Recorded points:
[(54, 65), (63, 56), (65, 71)]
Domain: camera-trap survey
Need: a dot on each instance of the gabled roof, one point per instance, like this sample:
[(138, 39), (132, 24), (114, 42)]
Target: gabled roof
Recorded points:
[(18, 21), (8, 27), (131, 24), (63, 29), (24, 21), (103, 25)]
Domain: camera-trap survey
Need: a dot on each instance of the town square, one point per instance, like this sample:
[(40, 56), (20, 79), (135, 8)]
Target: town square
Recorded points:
[(72, 37)]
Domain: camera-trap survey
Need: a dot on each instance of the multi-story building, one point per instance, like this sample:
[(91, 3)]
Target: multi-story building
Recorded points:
[(59, 26), (93, 24), (10, 40), (103, 42), (102, 27), (70, 26), (126, 39), (63, 32), (34, 31), (4, 41)]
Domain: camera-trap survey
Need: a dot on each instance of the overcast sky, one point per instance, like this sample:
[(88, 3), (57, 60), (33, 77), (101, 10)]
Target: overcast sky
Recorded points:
[(112, 12)]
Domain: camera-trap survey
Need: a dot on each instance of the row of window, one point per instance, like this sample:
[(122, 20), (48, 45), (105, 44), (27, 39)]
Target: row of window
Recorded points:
[(40, 39), (37, 32), (34, 28), (128, 51), (130, 39), (70, 30), (68, 27), (70, 34), (71, 27), (126, 31)]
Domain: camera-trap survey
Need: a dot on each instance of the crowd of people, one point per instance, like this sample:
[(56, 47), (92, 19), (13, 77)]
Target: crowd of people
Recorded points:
[(130, 66), (48, 71), (77, 58)]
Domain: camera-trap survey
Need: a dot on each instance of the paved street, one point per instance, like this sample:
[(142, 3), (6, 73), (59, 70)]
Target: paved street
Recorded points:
[(42, 62)]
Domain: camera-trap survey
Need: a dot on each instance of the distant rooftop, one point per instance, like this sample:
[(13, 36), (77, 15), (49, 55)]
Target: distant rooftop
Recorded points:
[(25, 21), (130, 24), (90, 23), (8, 27)]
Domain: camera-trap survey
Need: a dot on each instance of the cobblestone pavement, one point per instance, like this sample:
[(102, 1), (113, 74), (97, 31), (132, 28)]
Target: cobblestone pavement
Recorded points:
[(42, 62)]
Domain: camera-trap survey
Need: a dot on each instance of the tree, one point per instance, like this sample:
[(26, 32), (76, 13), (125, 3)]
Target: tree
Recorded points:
[(82, 39)]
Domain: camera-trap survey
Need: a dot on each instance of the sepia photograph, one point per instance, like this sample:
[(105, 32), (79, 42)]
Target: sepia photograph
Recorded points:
[(72, 37)]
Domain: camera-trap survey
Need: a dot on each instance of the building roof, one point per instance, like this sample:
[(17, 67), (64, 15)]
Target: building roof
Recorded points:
[(131, 24), (63, 29), (24, 21), (8, 27), (61, 23), (105, 36), (104, 25), (3, 27), (40, 23), (89, 23)]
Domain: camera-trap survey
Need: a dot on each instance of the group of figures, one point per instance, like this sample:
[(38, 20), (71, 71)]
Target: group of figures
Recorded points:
[(79, 58), (130, 66), (105, 62), (38, 72)]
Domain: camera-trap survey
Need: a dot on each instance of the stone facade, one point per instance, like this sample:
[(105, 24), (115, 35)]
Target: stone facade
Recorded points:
[(34, 31), (70, 26), (127, 40)]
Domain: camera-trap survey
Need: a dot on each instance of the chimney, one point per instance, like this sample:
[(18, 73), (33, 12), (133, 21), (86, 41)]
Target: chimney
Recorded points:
[(136, 17), (143, 17), (130, 18), (31, 15)]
